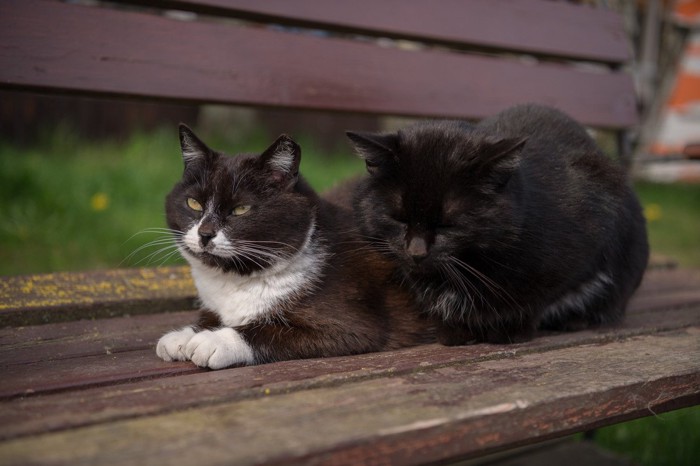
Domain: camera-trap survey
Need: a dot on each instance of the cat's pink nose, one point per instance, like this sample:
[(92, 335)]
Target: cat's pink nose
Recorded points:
[(417, 248)]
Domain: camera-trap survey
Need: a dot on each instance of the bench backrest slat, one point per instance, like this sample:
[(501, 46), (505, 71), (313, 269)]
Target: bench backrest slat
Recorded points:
[(109, 52), (539, 27)]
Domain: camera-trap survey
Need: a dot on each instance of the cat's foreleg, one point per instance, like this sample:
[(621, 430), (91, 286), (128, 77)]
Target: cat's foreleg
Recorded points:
[(171, 346), (450, 334), (207, 344), (461, 333), (219, 348), (507, 332)]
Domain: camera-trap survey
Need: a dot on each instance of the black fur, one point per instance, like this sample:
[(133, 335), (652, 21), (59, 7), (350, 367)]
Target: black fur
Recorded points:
[(517, 222)]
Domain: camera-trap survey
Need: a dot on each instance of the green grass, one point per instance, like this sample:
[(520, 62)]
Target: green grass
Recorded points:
[(669, 439), (673, 220), (73, 205)]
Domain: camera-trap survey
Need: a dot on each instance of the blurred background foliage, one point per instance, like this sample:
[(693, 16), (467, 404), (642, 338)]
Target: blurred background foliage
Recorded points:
[(72, 202)]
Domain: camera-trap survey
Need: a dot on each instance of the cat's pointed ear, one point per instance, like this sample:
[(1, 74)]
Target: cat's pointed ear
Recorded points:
[(505, 154), (193, 149), (282, 160), (502, 160), (377, 150)]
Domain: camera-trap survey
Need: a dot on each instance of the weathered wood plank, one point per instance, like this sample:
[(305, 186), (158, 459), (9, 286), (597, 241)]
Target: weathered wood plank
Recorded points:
[(108, 403), (666, 300), (664, 280), (56, 297), (88, 371), (71, 48), (530, 26), (38, 299), (20, 345), (426, 415), (49, 342), (45, 357)]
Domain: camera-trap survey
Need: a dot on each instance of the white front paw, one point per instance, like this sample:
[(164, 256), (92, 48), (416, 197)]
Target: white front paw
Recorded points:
[(171, 346), (218, 349)]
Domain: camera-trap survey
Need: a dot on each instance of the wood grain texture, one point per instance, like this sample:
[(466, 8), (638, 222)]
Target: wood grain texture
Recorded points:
[(94, 380), (71, 48), (108, 403), (67, 340), (668, 279), (530, 26), (163, 392), (425, 415), (44, 298), (89, 371), (59, 297)]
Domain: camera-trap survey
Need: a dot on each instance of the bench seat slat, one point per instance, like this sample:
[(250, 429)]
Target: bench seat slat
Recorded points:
[(531, 26), (38, 299), (49, 342), (87, 371), (664, 280), (418, 416), (163, 393), (247, 66), (35, 299)]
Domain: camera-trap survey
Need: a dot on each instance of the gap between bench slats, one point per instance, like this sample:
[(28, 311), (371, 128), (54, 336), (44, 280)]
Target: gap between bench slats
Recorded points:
[(531, 26), (418, 416), (73, 48)]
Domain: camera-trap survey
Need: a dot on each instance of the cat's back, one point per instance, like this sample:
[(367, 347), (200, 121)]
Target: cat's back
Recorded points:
[(558, 150), (540, 125)]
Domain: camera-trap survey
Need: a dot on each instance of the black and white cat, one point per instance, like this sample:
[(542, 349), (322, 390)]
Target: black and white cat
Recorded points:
[(516, 222), (279, 272)]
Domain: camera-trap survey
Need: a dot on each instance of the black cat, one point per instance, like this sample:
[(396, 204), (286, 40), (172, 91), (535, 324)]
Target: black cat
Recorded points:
[(516, 222), (279, 271)]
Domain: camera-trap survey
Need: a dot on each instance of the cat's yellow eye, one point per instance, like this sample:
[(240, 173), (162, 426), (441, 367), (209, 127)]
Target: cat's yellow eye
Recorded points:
[(194, 204), (241, 209)]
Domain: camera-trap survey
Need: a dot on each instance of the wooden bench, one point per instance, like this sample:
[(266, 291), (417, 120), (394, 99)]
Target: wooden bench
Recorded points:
[(80, 379)]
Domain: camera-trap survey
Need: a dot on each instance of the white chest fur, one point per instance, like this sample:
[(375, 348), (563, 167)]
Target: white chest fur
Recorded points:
[(241, 299)]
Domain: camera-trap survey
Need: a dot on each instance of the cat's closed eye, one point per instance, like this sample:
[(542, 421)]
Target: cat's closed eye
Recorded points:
[(194, 204), (398, 218), (240, 210)]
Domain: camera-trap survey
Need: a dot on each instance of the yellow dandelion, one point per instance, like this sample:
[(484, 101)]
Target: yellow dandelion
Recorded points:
[(99, 202), (652, 212)]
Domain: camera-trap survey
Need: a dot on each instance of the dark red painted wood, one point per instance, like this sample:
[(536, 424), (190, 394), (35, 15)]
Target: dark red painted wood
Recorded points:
[(84, 353), (50, 342), (74, 48), (531, 26), (88, 371), (665, 280), (413, 417), (134, 397)]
